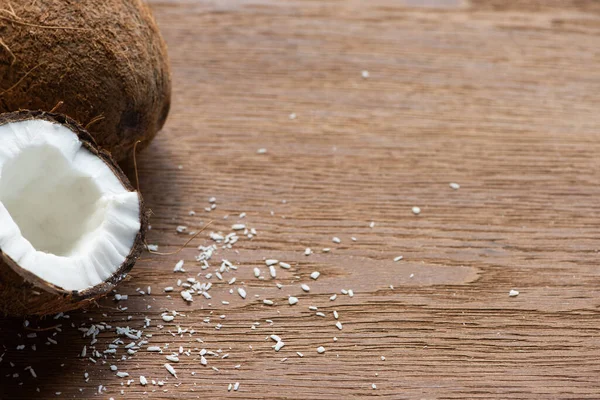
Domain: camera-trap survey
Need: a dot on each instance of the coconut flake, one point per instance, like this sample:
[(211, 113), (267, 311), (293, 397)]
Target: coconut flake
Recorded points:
[(171, 370), (284, 265), (179, 267)]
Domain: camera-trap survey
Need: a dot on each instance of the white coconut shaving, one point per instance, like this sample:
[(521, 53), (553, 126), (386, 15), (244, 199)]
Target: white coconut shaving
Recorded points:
[(64, 214)]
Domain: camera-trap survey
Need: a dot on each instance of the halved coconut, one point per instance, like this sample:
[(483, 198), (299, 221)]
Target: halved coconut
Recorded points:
[(71, 224)]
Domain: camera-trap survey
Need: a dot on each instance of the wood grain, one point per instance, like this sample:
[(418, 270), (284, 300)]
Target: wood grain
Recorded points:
[(499, 96)]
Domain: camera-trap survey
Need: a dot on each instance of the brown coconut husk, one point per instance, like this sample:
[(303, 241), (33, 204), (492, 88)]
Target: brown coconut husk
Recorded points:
[(105, 59), (23, 293)]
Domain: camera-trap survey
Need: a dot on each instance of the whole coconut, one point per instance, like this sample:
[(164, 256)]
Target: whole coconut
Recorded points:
[(104, 59)]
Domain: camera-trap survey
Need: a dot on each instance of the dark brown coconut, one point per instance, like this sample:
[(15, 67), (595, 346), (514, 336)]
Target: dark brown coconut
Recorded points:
[(23, 293), (104, 59)]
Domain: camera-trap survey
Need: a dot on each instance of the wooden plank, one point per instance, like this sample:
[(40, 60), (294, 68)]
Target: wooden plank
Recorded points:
[(499, 96)]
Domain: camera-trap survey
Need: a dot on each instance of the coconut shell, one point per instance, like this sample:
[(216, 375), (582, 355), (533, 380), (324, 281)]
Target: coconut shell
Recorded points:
[(23, 293), (104, 59)]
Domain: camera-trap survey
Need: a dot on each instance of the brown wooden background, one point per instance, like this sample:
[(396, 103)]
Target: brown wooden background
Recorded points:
[(500, 96)]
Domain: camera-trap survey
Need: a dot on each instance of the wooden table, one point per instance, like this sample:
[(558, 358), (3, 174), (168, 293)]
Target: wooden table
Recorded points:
[(499, 96)]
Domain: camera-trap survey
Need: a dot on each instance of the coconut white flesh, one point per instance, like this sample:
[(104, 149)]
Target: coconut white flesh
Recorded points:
[(64, 215)]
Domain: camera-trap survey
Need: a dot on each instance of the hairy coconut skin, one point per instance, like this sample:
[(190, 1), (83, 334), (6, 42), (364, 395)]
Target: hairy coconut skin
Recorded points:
[(23, 293), (104, 59)]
